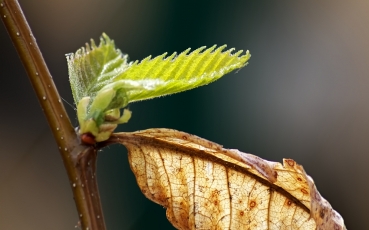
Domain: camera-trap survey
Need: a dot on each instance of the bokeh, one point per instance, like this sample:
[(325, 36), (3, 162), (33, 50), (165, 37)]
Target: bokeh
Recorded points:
[(304, 95)]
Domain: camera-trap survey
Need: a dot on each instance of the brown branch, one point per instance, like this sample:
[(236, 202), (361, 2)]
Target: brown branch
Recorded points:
[(79, 160)]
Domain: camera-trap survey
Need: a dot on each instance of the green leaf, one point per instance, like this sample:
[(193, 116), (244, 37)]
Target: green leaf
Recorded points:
[(161, 76), (103, 81), (93, 67)]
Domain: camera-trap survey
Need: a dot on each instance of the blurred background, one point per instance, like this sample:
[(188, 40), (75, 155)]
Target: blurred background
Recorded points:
[(304, 95)]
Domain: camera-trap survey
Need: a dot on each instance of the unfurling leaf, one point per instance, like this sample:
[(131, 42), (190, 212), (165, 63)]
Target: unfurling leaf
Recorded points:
[(103, 82), (204, 186), (93, 67)]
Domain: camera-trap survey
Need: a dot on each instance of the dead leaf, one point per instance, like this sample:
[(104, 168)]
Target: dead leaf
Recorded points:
[(204, 186)]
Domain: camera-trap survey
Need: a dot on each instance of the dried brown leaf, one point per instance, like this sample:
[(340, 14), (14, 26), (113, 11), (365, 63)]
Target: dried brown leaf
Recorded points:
[(204, 186)]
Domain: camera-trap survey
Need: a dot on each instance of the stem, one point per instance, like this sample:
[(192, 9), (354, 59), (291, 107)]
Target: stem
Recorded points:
[(79, 160), (85, 186)]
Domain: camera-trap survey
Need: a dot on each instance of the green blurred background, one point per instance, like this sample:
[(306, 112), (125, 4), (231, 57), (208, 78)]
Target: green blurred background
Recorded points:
[(304, 95)]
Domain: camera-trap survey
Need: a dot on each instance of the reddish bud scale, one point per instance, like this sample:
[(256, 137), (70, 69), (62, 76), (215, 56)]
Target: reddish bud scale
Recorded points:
[(88, 139)]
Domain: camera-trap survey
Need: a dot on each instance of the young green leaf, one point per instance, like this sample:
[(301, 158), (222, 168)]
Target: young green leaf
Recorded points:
[(93, 67), (103, 81), (161, 76)]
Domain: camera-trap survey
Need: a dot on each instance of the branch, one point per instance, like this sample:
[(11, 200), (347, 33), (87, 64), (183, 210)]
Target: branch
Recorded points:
[(79, 160)]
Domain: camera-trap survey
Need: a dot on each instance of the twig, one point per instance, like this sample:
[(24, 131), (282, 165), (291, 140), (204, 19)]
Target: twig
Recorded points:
[(79, 160)]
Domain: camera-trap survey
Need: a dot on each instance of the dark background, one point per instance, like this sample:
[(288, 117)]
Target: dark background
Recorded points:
[(304, 95)]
